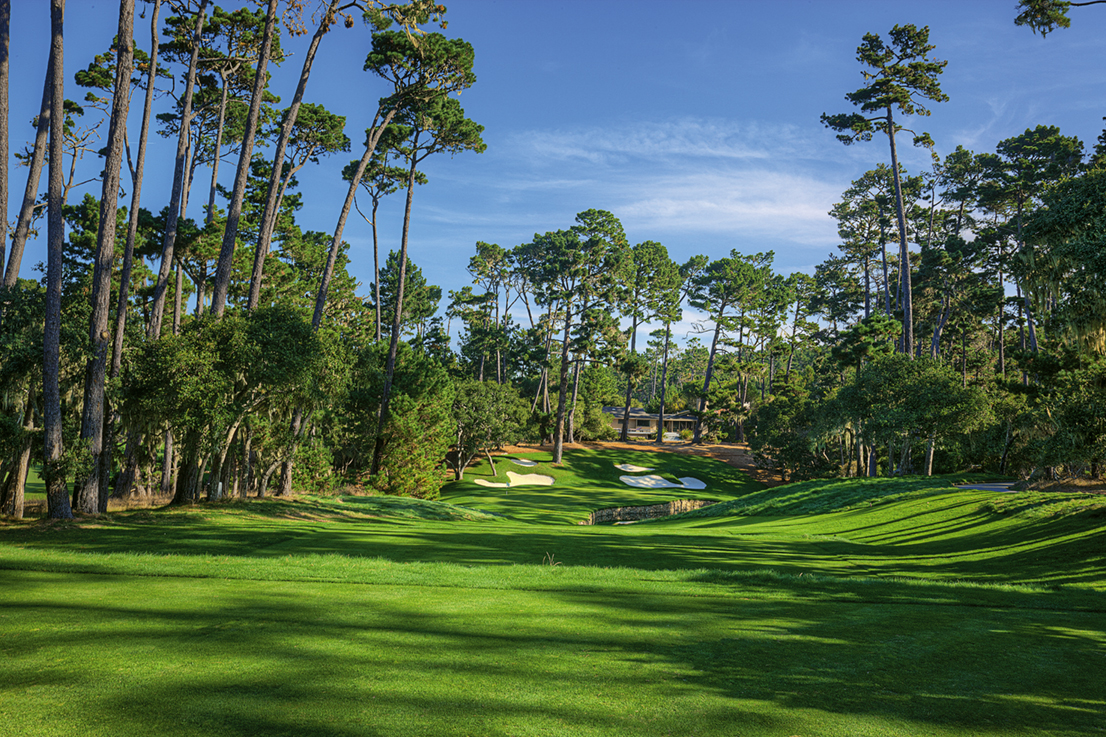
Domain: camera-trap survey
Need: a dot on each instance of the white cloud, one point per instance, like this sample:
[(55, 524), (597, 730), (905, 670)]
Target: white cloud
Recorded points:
[(754, 202), (671, 142)]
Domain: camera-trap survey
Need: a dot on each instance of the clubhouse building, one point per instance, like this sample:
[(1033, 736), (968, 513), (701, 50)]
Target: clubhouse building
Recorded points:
[(643, 424)]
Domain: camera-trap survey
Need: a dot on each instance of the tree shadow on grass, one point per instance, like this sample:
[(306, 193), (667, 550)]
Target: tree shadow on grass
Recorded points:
[(180, 656)]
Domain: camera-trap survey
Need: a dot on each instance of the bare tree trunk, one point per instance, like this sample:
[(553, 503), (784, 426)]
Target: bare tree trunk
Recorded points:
[(393, 345), (218, 150), (272, 205), (5, 36), (562, 393), (698, 438), (664, 383), (904, 251), (168, 464), (575, 394), (376, 270), (34, 173), (92, 418), (234, 210), (247, 463), (169, 240), (286, 466), (13, 496), (629, 385), (336, 242), (129, 465), (57, 498), (264, 485)]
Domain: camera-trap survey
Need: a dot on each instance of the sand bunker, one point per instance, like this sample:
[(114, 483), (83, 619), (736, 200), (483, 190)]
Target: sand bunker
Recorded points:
[(518, 479), (657, 482), (522, 462), (631, 468)]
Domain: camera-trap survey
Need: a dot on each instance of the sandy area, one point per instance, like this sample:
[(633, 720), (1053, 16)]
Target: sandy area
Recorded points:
[(518, 479), (659, 482), (631, 468)]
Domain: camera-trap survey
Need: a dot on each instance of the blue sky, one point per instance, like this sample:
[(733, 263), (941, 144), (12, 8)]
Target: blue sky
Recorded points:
[(696, 123)]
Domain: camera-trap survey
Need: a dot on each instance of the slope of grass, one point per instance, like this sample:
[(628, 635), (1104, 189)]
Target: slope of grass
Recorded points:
[(816, 497), (898, 608)]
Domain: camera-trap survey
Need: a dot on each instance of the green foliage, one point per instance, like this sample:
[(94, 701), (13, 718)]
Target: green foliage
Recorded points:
[(902, 76), (487, 416), (420, 427), (1044, 16), (420, 299), (789, 431)]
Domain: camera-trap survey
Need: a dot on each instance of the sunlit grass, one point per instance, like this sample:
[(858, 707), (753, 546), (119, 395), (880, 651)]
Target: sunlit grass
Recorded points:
[(887, 607)]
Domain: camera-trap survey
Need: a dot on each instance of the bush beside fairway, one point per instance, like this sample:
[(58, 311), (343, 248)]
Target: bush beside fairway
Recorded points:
[(932, 611)]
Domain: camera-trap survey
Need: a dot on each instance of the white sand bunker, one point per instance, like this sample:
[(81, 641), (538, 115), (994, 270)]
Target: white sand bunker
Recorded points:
[(631, 468), (518, 479), (658, 482), (522, 462)]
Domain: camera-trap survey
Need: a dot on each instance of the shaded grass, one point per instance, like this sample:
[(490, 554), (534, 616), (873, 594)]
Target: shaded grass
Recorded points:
[(106, 654), (902, 607)]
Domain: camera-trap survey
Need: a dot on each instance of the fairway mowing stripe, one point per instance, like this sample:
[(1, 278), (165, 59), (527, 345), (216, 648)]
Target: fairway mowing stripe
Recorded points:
[(762, 579), (871, 572)]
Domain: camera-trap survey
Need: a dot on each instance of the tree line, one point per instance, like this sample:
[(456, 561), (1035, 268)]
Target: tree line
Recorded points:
[(974, 341)]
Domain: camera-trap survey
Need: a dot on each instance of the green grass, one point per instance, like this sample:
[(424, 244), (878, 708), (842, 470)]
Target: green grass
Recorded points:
[(35, 489), (900, 607)]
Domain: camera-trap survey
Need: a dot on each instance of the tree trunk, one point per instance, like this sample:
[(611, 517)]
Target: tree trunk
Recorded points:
[(57, 498), (336, 242), (904, 251), (234, 209), (698, 438), (376, 268), (575, 394), (168, 243), (178, 295), (92, 416), (247, 463), (17, 478), (129, 468), (34, 173), (188, 485), (168, 464), (5, 36), (562, 393), (867, 287), (397, 318), (218, 150), (269, 214), (286, 466), (629, 384), (664, 384), (263, 487), (127, 472)]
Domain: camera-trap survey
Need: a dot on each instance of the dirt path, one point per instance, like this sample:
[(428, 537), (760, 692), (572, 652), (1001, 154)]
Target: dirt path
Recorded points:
[(737, 455)]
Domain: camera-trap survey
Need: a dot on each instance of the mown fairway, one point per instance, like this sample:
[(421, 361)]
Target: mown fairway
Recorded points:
[(831, 608)]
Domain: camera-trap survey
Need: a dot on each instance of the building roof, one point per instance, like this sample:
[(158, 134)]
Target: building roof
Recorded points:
[(637, 413)]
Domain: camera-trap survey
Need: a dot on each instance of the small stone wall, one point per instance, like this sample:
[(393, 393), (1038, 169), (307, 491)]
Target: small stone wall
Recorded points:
[(652, 511)]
